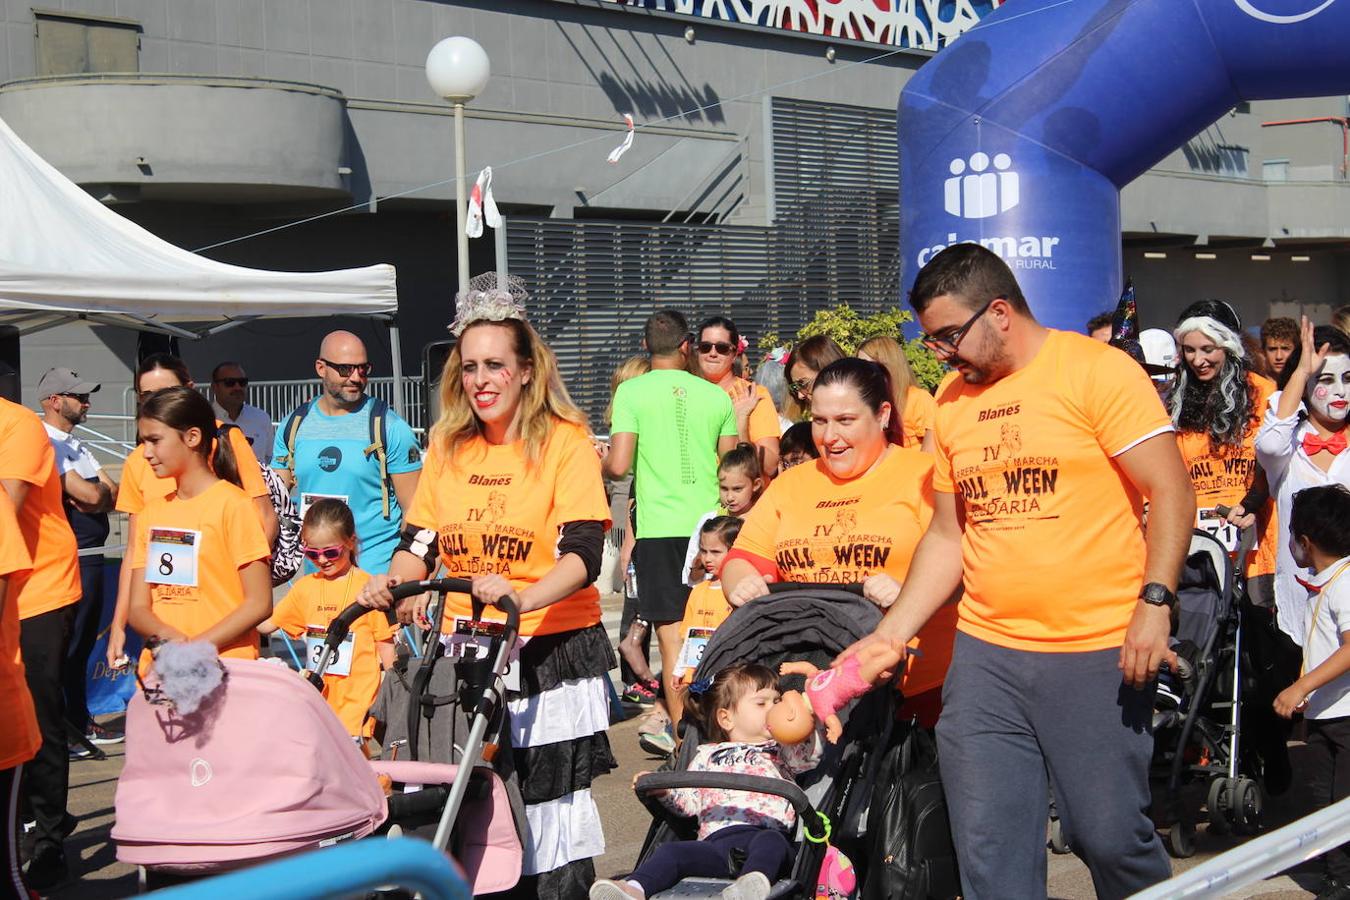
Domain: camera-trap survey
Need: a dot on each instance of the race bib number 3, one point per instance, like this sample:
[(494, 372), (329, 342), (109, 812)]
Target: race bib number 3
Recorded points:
[(314, 651), (691, 653), (171, 556)]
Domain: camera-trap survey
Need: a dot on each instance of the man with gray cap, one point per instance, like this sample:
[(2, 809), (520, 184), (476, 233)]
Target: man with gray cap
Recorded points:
[(88, 495)]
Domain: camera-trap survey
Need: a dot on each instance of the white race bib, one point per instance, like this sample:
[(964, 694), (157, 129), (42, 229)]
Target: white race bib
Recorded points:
[(691, 653), (473, 640), (314, 651), (307, 500), (171, 556), (1226, 533)]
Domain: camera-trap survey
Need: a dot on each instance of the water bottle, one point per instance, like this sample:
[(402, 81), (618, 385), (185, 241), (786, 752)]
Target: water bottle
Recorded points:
[(630, 581)]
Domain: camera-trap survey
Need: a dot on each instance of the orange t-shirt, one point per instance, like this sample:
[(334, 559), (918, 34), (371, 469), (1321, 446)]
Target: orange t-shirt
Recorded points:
[(310, 607), (1223, 478), (817, 529), (222, 525), (764, 417), (19, 738), (140, 484), (918, 416), (26, 455), (1053, 549), (706, 610), (495, 514)]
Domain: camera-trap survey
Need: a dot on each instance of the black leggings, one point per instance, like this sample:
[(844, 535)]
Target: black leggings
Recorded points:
[(11, 885), (766, 849)]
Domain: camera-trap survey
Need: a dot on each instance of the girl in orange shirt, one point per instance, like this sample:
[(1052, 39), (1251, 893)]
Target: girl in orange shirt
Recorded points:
[(328, 540), (199, 560), (20, 738), (918, 409), (707, 608)]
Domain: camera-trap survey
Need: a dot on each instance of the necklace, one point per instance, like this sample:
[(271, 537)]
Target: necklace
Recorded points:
[(346, 590)]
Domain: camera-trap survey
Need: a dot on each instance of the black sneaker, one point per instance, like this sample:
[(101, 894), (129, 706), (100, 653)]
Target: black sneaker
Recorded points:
[(79, 751), (97, 734), (46, 869)]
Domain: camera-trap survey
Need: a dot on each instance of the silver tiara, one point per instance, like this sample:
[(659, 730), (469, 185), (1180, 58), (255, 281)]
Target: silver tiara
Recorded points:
[(489, 298)]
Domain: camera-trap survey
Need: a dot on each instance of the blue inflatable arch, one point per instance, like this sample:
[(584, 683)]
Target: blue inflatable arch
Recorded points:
[(1021, 134)]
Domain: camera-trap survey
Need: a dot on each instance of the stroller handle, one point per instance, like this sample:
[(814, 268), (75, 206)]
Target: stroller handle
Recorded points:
[(458, 586), (785, 586), (653, 783)]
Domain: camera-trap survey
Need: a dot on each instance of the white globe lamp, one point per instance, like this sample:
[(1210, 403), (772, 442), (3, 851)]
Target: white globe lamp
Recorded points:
[(458, 69)]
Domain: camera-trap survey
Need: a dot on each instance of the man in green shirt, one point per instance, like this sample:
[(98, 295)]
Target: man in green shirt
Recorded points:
[(675, 426)]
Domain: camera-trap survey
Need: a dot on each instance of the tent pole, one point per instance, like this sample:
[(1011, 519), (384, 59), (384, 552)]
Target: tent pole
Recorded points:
[(396, 355)]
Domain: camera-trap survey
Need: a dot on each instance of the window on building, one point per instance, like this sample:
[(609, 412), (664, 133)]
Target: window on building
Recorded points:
[(71, 44)]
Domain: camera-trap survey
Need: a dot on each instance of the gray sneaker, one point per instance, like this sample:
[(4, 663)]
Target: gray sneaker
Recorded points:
[(606, 889), (754, 886), (657, 743)]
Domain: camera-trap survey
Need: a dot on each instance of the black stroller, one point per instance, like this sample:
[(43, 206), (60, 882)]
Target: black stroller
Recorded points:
[(814, 624)]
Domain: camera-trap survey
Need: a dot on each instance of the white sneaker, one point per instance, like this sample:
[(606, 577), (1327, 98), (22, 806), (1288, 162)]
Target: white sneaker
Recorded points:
[(607, 889), (754, 886)]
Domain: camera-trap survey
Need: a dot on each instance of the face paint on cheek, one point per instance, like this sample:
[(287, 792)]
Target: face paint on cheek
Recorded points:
[(1321, 392)]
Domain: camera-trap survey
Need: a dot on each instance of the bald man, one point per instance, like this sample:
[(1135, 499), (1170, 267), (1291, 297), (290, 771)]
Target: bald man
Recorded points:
[(349, 445)]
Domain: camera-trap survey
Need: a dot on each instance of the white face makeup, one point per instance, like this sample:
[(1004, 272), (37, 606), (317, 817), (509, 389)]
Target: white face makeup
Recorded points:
[(1328, 395)]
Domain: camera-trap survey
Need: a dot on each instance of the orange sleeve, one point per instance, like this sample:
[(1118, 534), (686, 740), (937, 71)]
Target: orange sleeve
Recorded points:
[(29, 456), (139, 542), (130, 497), (764, 417), (1122, 405), (919, 413), (13, 551), (422, 511), (289, 614), (379, 626), (759, 533), (246, 540), (250, 472), (926, 506), (579, 493), (944, 479)]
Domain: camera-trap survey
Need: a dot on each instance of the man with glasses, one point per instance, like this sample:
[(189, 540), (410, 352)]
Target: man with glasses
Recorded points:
[(229, 389), (1048, 445), (89, 495), (351, 446)]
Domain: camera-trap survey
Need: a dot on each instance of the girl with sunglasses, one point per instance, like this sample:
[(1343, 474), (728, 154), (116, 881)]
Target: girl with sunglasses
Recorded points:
[(717, 346), (199, 555), (328, 540)]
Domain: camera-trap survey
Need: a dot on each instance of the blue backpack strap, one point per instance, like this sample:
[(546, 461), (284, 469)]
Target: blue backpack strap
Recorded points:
[(379, 447)]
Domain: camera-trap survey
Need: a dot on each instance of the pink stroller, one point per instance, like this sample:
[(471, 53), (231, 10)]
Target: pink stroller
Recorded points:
[(264, 769)]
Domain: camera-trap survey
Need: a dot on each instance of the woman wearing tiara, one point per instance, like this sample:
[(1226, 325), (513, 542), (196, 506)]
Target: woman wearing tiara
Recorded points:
[(511, 488)]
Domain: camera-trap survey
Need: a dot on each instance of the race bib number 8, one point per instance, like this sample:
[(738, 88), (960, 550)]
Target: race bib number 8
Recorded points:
[(315, 650), (1225, 532), (171, 556)]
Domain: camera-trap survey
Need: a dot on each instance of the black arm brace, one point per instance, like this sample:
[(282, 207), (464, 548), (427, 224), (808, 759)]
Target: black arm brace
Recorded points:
[(587, 541)]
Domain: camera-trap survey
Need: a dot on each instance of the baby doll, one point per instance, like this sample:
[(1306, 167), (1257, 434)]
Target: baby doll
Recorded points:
[(830, 690)]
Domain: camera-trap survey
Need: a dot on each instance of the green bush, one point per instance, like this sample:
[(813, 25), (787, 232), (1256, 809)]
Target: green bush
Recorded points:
[(849, 330)]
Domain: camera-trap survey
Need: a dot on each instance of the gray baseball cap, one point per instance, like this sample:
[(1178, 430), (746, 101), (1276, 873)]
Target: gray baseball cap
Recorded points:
[(64, 381)]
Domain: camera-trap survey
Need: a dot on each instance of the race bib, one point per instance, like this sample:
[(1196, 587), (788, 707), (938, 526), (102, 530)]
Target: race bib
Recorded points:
[(691, 653), (171, 556), (1209, 520), (314, 651), (473, 640), (307, 500)]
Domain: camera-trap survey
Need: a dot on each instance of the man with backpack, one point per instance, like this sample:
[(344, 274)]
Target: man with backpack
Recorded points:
[(352, 446)]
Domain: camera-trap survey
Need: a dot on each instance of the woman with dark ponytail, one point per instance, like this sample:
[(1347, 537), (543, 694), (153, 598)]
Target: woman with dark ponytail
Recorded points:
[(199, 555)]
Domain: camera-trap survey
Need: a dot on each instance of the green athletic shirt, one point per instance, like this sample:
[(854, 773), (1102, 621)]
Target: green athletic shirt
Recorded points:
[(678, 419)]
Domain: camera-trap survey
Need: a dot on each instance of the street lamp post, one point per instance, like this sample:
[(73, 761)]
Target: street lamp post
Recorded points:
[(457, 70)]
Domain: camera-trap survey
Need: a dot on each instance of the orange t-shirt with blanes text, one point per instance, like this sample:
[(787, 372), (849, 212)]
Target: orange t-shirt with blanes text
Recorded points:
[(19, 738), (311, 606), (1053, 548), (1222, 477), (815, 528), (495, 513), (140, 484), (227, 536), (26, 455), (918, 415)]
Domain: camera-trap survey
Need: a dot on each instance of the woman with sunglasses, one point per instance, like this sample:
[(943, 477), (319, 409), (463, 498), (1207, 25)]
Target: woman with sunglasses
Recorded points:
[(717, 345), (805, 362), (141, 484), (511, 497)]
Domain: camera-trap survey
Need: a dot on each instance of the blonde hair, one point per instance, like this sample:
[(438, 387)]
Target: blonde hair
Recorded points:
[(1341, 319), (631, 367), (544, 401), (887, 351)]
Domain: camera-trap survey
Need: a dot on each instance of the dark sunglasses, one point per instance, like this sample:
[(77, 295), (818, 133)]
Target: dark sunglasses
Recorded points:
[(345, 370), (314, 554), (233, 382), (948, 343), (79, 398), (721, 347), (801, 386)]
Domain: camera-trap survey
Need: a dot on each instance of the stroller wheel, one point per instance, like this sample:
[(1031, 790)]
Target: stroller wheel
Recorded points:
[(1220, 789), (1246, 805), (1058, 845), (1181, 840)]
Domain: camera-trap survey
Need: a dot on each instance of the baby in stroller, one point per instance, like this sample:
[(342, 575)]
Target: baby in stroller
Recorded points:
[(732, 711)]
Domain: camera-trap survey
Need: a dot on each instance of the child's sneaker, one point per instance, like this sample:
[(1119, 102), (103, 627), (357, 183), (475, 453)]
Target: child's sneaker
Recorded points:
[(642, 693), (606, 889), (754, 886)]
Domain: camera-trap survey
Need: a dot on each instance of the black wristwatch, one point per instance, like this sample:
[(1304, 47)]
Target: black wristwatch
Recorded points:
[(1155, 594)]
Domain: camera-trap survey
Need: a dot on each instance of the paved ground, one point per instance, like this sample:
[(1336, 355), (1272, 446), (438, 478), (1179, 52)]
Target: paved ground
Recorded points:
[(625, 822)]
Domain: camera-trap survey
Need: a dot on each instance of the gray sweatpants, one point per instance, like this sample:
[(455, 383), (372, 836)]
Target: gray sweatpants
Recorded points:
[(1012, 717)]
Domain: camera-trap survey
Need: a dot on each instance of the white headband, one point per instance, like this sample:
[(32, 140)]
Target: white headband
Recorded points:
[(1213, 329)]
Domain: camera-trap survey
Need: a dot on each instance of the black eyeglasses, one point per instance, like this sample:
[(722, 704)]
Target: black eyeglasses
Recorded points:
[(79, 398), (345, 370), (233, 382), (948, 343), (721, 347)]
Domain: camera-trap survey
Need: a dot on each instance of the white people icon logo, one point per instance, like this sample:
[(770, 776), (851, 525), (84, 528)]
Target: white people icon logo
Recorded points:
[(1250, 8), (976, 192)]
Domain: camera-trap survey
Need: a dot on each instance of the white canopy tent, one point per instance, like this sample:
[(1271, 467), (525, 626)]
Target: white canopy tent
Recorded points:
[(66, 257)]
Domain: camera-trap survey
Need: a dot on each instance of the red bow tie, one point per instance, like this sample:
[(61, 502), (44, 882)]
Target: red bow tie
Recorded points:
[(1314, 444)]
